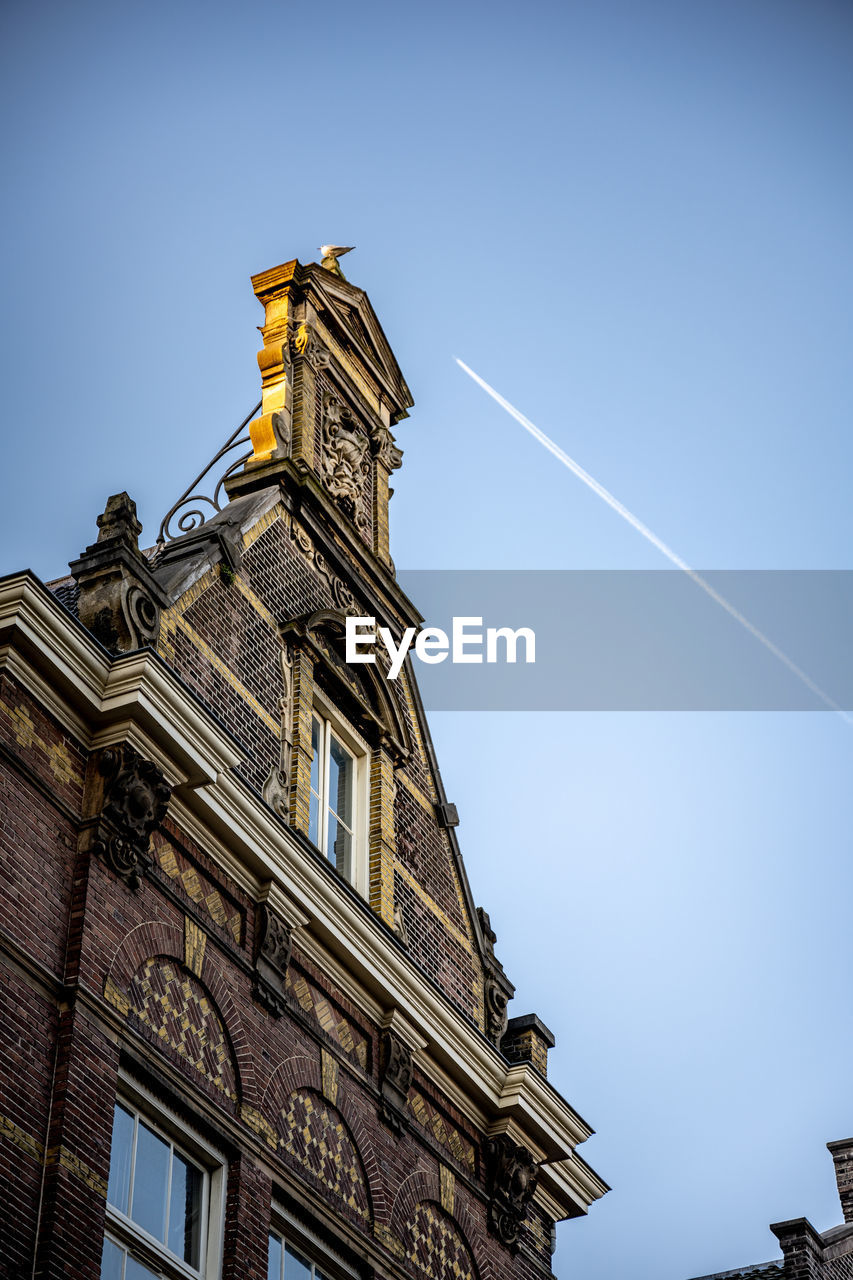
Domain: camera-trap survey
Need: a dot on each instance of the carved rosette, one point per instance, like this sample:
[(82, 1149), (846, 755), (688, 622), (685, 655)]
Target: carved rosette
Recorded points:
[(395, 1077), (511, 1176), (135, 798), (275, 941), (345, 461)]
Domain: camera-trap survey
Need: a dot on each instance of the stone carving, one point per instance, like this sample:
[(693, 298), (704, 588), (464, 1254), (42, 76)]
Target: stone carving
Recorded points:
[(342, 597), (511, 1176), (400, 930), (275, 941), (384, 447), (346, 457), (496, 999), (395, 1079), (304, 342), (276, 789), (119, 598), (135, 798), (497, 988), (489, 935)]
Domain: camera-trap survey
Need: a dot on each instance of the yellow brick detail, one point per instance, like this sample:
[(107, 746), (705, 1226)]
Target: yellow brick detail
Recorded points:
[(78, 1169), (60, 763), (330, 1076), (194, 943), (381, 838), (259, 1124), (448, 1188), (114, 995), (20, 1138)]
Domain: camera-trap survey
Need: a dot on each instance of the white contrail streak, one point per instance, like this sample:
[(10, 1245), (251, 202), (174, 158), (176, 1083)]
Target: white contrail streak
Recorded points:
[(646, 532)]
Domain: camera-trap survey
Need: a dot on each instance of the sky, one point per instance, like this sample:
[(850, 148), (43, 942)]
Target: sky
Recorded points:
[(632, 219)]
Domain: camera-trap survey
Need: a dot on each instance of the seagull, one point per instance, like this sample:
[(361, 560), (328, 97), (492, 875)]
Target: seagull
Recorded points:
[(331, 253)]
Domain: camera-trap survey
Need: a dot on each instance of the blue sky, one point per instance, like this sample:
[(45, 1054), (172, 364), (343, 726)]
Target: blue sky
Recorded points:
[(633, 220)]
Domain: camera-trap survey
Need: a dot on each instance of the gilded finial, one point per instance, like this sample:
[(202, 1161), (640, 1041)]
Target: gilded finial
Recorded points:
[(331, 253)]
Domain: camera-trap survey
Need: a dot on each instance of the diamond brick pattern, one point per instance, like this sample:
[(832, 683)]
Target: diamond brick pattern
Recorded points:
[(436, 1247), (316, 1135), (200, 890), (330, 1019), (444, 1133), (179, 1012)]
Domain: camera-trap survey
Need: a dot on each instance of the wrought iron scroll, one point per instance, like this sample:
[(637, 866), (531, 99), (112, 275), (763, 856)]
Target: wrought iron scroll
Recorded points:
[(194, 516)]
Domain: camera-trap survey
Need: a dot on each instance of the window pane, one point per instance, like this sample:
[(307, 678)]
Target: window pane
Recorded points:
[(135, 1271), (274, 1259), (295, 1267), (341, 771), (120, 1153), (111, 1260), (185, 1210), (150, 1178)]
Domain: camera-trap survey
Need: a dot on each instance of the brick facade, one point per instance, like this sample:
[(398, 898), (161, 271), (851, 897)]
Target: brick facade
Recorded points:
[(328, 1048)]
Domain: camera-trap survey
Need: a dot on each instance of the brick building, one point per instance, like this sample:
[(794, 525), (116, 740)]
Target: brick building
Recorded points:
[(253, 1025), (808, 1254)]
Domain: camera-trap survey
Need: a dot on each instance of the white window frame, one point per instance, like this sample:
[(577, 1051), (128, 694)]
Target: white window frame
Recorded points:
[(129, 1235), (335, 724), (299, 1237)]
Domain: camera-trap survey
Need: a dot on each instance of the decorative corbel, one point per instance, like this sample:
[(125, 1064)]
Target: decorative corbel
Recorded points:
[(130, 796), (384, 448), (511, 1176), (395, 1077), (275, 942)]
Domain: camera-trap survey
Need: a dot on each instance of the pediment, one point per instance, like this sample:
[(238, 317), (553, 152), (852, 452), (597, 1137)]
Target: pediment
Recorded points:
[(348, 311)]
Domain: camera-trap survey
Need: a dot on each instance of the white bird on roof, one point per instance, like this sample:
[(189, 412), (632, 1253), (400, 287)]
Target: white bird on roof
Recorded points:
[(331, 253)]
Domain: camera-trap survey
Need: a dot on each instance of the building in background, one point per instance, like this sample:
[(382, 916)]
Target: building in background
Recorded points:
[(808, 1254), (253, 1025)]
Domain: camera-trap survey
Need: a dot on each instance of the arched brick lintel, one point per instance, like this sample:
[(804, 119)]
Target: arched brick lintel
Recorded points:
[(158, 938), (423, 1186), (302, 1071)]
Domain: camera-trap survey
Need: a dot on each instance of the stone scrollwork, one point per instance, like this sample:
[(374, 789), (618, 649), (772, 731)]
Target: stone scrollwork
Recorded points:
[(497, 989), (275, 941), (305, 342), (341, 595), (511, 1176), (496, 1002), (135, 798), (346, 459), (395, 1079), (276, 789)]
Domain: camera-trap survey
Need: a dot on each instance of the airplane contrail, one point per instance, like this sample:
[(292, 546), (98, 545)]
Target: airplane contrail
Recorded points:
[(672, 556)]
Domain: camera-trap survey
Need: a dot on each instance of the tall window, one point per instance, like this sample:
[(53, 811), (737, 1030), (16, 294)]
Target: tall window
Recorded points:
[(334, 817), (286, 1264), (158, 1204)]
